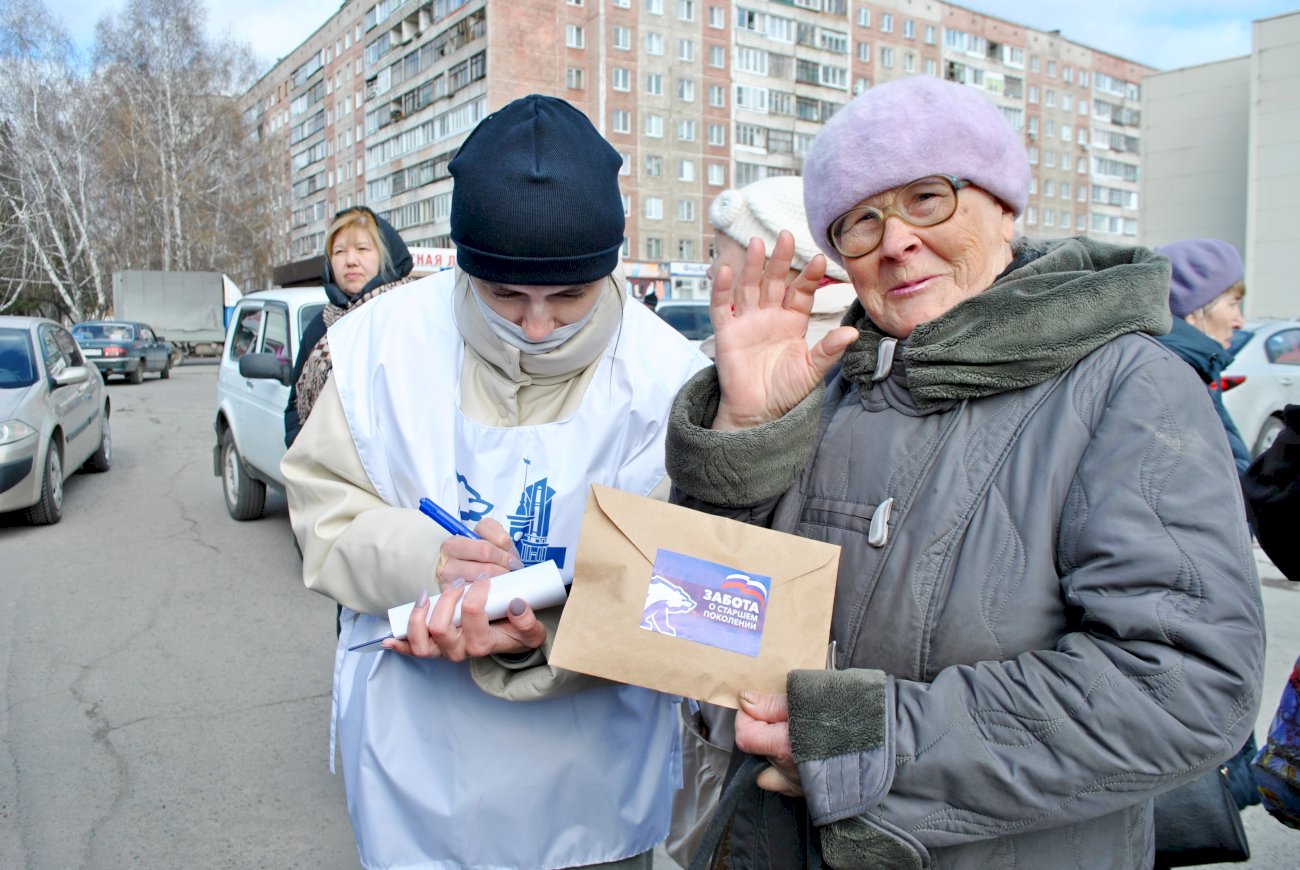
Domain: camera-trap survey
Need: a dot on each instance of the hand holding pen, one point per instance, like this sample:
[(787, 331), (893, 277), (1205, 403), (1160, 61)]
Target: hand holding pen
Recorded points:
[(470, 558), (467, 555)]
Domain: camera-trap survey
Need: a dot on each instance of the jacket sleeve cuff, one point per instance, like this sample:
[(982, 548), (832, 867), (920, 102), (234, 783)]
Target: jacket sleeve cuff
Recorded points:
[(841, 731), (742, 468), (528, 677)]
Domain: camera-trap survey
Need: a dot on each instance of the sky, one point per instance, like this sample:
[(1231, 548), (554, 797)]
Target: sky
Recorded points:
[(1165, 34)]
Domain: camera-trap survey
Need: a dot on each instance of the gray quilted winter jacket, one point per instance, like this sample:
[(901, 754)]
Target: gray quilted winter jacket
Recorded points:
[(1047, 609)]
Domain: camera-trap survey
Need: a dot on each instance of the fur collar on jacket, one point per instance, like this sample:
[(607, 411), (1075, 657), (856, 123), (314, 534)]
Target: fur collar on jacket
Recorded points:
[(1057, 302)]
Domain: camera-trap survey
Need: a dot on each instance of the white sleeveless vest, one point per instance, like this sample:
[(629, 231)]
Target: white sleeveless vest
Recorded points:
[(438, 773)]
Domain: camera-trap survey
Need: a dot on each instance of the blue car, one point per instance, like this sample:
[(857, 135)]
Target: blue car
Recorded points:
[(124, 347)]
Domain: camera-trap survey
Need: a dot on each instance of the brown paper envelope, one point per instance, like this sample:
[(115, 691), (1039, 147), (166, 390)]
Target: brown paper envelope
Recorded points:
[(600, 630)]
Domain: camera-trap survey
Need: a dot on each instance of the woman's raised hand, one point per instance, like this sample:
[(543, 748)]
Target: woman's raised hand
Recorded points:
[(764, 366)]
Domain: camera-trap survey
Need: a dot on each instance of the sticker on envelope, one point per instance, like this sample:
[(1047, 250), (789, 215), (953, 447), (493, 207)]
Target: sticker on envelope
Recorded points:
[(718, 605)]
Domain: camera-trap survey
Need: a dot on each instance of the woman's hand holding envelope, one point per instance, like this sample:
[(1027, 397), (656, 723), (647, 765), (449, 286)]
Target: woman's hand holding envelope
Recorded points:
[(763, 728), (467, 569)]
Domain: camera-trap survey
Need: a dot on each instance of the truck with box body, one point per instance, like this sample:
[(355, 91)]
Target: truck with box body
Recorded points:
[(189, 309)]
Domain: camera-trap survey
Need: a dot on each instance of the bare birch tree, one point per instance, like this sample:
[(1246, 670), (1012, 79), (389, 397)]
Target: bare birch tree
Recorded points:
[(49, 123), (189, 175)]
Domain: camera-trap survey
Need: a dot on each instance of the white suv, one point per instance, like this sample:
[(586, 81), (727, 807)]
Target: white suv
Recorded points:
[(252, 390)]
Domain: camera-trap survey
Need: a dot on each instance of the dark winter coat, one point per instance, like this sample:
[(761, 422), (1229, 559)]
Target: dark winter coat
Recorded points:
[(1208, 359), (1038, 627), (1272, 487)]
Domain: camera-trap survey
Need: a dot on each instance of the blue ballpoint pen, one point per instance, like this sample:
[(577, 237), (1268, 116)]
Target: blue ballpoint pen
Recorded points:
[(449, 522), (452, 524)]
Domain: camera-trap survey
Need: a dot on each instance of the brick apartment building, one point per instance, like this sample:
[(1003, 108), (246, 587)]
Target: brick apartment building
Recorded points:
[(698, 96)]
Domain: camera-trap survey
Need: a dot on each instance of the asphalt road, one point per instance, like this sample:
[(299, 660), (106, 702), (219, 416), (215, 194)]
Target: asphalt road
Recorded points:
[(167, 677)]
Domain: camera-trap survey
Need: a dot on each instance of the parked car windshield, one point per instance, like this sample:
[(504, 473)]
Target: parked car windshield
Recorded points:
[(16, 365), (109, 331)]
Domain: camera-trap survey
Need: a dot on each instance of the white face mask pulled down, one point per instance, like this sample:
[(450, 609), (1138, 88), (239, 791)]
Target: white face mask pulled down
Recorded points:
[(513, 334)]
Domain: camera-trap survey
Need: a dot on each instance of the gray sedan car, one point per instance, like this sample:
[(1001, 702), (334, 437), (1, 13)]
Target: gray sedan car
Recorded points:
[(53, 417)]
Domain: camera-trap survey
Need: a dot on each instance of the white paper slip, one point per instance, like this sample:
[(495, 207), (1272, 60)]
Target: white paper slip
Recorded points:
[(540, 585)]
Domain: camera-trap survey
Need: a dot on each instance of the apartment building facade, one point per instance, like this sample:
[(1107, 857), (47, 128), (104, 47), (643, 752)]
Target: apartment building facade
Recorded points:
[(697, 96)]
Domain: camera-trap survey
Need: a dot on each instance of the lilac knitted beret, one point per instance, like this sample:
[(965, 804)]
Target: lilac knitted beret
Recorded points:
[(905, 130), (1202, 269)]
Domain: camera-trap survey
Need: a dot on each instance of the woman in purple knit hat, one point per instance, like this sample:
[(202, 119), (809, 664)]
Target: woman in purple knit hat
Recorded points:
[(1037, 628)]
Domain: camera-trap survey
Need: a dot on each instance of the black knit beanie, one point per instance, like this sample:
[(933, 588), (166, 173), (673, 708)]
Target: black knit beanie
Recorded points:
[(536, 197)]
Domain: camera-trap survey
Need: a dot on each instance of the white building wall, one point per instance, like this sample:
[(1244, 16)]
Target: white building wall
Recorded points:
[(1219, 160), (1195, 127), (1273, 212)]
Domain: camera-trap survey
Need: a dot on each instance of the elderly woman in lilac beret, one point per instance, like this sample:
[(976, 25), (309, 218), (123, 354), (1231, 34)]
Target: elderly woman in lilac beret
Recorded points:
[(1036, 630), (1206, 286)]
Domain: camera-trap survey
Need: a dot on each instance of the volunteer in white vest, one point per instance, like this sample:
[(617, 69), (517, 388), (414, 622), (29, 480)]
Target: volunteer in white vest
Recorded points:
[(501, 390)]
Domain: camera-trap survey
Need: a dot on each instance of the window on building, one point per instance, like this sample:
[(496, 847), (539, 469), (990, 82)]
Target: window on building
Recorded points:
[(1051, 69), (686, 10), (1067, 74), (654, 84), (685, 250), (686, 90), (654, 208), (623, 38), (654, 166), (654, 126), (1031, 216), (573, 78), (620, 79), (717, 134), (717, 17), (622, 121), (686, 209), (886, 22), (686, 130), (886, 55), (717, 56), (654, 43), (864, 52), (717, 175), (1033, 93), (717, 95), (685, 170), (929, 34), (654, 248), (626, 167), (686, 50), (909, 28), (1033, 63), (574, 37), (864, 16), (654, 7), (909, 62)]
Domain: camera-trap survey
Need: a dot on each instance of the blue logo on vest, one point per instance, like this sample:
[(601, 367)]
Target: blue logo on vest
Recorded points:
[(529, 525)]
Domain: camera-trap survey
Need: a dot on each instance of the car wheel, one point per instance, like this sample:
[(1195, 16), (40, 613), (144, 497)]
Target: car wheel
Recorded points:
[(49, 509), (102, 459), (1267, 435), (136, 375), (245, 497), (167, 371)]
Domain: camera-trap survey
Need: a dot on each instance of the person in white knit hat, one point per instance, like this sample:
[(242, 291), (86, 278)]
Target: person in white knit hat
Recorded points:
[(761, 210)]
